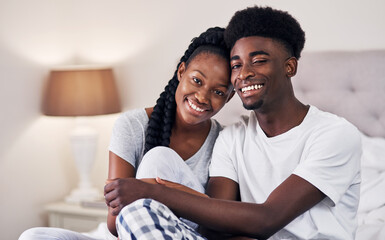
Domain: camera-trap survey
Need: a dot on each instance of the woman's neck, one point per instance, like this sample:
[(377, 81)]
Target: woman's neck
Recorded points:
[(187, 139)]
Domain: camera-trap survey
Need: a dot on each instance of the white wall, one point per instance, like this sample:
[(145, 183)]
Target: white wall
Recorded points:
[(142, 40)]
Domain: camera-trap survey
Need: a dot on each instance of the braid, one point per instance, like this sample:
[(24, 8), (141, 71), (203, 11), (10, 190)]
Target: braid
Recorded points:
[(163, 116)]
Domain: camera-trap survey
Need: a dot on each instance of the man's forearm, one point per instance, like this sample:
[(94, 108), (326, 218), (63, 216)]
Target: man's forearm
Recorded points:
[(219, 215)]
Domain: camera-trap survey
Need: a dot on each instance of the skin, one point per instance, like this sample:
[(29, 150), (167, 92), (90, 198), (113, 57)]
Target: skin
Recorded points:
[(205, 83), (254, 60)]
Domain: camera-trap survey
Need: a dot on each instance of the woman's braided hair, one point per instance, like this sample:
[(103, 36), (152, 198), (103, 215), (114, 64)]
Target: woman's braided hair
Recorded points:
[(163, 116)]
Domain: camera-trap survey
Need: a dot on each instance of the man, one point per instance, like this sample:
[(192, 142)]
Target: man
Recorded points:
[(295, 168)]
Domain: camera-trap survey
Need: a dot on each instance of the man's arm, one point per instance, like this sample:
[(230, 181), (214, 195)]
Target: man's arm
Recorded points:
[(223, 188), (220, 188), (290, 199)]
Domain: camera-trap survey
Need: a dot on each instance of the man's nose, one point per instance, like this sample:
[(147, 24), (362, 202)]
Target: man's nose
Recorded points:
[(245, 72)]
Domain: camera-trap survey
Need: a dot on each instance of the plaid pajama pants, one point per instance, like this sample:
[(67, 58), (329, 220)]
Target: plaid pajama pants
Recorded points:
[(152, 220)]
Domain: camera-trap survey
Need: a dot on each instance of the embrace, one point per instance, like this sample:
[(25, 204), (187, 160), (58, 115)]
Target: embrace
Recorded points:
[(286, 171)]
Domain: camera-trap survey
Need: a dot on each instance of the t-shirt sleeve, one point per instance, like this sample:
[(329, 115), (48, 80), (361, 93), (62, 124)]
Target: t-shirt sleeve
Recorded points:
[(223, 163), (331, 162), (128, 136)]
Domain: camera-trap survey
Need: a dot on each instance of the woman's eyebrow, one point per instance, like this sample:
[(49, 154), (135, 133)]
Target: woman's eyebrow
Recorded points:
[(200, 72)]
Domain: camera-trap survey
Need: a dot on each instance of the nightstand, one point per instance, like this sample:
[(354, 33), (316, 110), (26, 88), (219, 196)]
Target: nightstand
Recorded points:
[(75, 217)]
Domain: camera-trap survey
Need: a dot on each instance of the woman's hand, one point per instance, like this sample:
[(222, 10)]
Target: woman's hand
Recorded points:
[(149, 180), (178, 186), (120, 192)]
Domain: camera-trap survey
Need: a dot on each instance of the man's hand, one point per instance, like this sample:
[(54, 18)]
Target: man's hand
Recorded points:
[(120, 192)]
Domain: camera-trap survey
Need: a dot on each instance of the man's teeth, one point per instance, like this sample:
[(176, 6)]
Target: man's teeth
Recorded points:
[(196, 108), (252, 87)]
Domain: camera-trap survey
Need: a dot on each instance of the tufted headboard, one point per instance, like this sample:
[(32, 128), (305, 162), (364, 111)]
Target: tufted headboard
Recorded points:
[(349, 84)]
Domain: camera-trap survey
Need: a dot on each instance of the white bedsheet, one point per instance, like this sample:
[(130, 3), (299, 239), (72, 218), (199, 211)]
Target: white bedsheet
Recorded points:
[(371, 211)]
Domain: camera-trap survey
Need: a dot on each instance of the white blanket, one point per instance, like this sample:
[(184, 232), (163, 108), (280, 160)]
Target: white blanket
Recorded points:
[(371, 211)]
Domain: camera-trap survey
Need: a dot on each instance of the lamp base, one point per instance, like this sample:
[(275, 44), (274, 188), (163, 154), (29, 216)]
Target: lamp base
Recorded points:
[(84, 142), (79, 195)]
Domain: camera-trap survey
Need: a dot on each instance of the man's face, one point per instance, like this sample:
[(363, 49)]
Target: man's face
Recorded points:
[(259, 72)]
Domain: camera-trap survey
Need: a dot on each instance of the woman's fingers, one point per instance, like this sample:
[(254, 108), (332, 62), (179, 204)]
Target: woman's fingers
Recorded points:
[(148, 180), (160, 181)]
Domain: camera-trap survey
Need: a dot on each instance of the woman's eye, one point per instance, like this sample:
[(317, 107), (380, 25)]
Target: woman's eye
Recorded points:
[(219, 93), (198, 81)]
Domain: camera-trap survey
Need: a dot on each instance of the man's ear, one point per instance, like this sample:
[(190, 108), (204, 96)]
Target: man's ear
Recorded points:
[(230, 96), (291, 67), (181, 70)]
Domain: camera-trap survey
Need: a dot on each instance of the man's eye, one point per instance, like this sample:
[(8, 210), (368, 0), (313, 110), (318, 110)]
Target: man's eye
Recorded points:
[(235, 66), (259, 61), (198, 81)]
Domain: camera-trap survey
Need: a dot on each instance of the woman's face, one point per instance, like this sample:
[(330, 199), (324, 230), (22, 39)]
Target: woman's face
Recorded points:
[(204, 88)]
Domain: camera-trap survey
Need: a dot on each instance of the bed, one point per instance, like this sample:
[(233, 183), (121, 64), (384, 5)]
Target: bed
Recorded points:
[(351, 85)]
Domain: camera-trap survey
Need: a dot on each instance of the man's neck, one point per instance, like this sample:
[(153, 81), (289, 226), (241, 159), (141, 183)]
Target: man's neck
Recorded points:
[(282, 119)]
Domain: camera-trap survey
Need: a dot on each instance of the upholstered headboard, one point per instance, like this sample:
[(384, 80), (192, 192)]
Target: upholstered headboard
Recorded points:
[(349, 84)]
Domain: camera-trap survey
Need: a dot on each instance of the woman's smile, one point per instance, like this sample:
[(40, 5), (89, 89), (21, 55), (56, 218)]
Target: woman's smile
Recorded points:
[(195, 108)]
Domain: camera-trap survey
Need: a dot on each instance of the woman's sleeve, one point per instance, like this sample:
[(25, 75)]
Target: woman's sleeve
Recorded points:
[(128, 135)]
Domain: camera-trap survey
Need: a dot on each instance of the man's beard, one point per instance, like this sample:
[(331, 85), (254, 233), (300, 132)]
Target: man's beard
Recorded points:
[(253, 106)]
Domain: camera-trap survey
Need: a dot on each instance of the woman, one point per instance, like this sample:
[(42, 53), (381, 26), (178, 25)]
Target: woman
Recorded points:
[(180, 120)]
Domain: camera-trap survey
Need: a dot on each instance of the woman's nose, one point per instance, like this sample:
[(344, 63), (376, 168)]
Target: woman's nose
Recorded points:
[(202, 96)]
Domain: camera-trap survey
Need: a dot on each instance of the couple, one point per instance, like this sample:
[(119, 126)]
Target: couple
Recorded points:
[(288, 171)]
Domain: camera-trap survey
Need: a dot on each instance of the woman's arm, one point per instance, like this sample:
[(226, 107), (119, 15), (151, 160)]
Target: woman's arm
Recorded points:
[(117, 168)]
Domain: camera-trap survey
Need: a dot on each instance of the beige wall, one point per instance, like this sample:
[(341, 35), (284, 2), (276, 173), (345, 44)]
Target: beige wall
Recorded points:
[(142, 40)]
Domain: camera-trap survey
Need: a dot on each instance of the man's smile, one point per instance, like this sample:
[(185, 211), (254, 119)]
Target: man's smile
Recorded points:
[(251, 87)]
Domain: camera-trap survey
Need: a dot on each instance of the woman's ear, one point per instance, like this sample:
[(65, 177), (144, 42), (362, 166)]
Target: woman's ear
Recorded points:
[(181, 70), (291, 67)]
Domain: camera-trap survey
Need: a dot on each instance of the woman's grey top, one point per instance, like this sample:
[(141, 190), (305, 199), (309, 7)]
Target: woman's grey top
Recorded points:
[(128, 138)]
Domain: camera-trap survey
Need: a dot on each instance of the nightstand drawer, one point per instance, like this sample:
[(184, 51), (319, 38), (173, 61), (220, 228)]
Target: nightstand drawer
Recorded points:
[(75, 217), (80, 223)]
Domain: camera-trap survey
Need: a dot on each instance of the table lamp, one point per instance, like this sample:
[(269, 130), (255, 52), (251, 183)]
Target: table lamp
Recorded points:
[(79, 92)]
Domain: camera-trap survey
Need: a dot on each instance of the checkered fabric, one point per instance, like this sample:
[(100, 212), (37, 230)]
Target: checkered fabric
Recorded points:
[(146, 219)]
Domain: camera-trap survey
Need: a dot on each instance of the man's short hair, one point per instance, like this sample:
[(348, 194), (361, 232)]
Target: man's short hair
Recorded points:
[(266, 22)]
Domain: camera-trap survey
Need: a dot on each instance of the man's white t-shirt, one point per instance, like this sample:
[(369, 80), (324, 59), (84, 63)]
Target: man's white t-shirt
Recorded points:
[(324, 149)]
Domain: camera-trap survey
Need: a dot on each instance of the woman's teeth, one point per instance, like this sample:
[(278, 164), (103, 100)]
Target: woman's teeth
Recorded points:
[(195, 107), (252, 87)]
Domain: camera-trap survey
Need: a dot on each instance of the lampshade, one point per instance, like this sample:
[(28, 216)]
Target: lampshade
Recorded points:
[(81, 92)]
